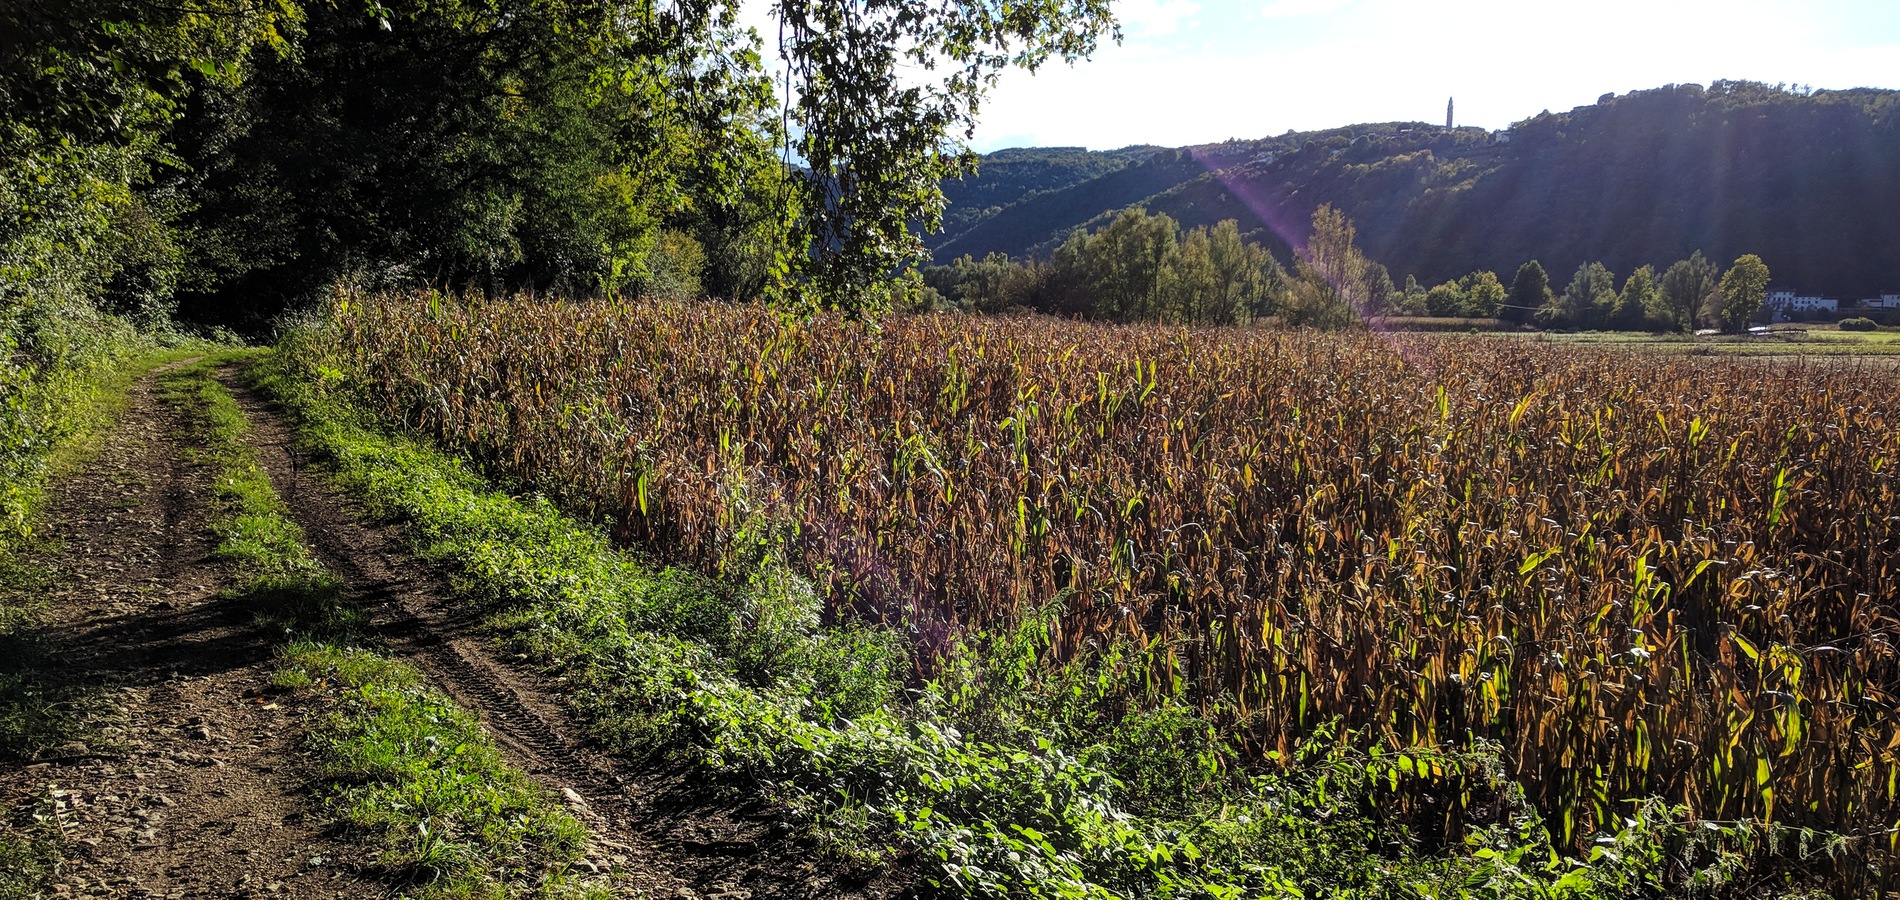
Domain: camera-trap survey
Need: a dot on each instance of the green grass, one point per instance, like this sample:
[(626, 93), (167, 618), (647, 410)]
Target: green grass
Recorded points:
[(995, 778), (410, 767), (1821, 341), (402, 762), (63, 378), (31, 850), (274, 570)]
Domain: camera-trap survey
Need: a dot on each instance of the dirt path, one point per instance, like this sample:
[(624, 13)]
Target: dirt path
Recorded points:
[(666, 835), (191, 787)]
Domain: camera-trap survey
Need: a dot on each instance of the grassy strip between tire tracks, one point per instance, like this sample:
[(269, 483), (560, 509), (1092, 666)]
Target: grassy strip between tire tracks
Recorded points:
[(957, 775), (402, 761)]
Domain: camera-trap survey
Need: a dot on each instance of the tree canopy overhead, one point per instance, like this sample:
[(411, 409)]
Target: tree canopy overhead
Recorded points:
[(269, 148)]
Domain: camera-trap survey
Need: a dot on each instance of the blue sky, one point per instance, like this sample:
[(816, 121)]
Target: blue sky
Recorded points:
[(1198, 71)]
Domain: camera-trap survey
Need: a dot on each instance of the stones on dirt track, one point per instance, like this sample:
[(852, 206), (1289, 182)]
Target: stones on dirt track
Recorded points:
[(181, 769)]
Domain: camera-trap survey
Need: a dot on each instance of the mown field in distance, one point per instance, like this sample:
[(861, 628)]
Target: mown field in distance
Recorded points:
[(1785, 342), (1638, 575)]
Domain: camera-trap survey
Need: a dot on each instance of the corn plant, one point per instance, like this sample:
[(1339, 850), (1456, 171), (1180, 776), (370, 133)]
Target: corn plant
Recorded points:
[(1640, 576)]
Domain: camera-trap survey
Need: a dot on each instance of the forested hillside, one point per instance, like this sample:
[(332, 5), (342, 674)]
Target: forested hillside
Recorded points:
[(1012, 176), (1807, 180)]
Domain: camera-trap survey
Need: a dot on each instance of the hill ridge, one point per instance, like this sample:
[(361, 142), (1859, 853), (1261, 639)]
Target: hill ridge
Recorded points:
[(1647, 177)]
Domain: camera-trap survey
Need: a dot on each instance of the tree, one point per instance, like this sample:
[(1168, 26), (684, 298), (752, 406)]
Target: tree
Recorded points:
[(1245, 273), (1445, 300), (507, 143), (87, 88), (1586, 302), (1380, 293), (876, 145), (1744, 287), (1190, 282), (1120, 269), (1330, 288), (1413, 300), (1530, 292), (1484, 294), (1140, 267), (1639, 298), (110, 70), (1685, 290)]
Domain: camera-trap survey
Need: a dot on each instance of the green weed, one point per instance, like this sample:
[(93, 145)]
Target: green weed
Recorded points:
[(31, 850), (410, 767)]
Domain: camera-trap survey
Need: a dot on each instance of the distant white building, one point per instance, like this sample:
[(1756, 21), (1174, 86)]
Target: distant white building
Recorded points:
[(1884, 301), (1785, 303)]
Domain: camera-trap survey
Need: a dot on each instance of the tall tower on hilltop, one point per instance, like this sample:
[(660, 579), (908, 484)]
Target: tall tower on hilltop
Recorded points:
[(1448, 101)]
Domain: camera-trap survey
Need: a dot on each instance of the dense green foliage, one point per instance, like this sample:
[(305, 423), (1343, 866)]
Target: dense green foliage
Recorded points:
[(59, 364), (1477, 295), (1805, 180), (504, 144), (1138, 268), (998, 775), (1142, 268), (81, 93), (1742, 290), (1530, 291), (87, 90), (240, 159)]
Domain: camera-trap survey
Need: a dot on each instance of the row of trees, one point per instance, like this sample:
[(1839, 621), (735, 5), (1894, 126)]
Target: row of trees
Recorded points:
[(1692, 293), (1143, 267)]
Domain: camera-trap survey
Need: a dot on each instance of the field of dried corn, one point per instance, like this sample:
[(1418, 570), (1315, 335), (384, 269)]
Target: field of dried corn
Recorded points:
[(1640, 576)]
